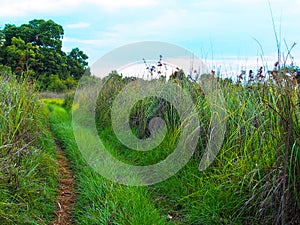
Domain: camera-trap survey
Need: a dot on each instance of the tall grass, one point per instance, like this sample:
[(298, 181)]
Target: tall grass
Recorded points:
[(28, 170), (255, 177)]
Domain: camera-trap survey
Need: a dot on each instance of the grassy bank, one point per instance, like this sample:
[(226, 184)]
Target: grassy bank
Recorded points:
[(28, 168)]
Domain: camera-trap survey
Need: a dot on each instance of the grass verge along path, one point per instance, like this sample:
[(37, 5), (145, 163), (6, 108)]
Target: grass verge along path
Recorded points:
[(98, 200)]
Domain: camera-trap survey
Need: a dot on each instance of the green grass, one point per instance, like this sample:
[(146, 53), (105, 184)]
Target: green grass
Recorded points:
[(100, 201), (28, 168), (255, 177), (253, 180), (56, 101)]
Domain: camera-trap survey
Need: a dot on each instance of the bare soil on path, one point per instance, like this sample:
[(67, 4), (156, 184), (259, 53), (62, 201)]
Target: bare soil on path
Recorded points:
[(66, 196)]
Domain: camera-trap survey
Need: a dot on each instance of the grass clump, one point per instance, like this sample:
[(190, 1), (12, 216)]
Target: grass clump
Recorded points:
[(28, 169)]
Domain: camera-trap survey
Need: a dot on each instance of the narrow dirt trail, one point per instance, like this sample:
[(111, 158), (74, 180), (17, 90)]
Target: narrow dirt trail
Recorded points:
[(66, 196)]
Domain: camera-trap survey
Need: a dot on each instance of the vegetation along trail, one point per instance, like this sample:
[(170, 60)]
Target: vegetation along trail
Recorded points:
[(45, 178)]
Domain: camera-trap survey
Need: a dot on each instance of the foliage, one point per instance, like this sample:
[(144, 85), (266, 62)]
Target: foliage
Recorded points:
[(71, 83), (68, 100), (5, 71), (56, 84), (21, 56), (113, 84), (77, 63), (35, 50), (255, 177), (28, 169)]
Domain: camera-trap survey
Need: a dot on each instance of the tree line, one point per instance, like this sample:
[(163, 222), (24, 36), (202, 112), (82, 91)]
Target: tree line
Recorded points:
[(35, 50)]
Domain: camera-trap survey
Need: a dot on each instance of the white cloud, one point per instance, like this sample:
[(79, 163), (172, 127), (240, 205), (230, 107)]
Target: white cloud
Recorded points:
[(94, 42), (112, 5), (169, 23), (78, 25), (19, 8)]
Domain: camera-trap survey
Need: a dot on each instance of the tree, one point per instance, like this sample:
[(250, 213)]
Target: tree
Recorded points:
[(42, 33), (36, 48), (56, 84), (2, 48), (70, 83), (8, 33), (22, 57), (54, 62), (47, 33), (77, 63)]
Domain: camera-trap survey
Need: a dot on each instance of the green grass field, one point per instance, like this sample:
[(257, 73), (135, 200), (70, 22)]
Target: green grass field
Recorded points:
[(253, 180), (245, 183), (100, 201)]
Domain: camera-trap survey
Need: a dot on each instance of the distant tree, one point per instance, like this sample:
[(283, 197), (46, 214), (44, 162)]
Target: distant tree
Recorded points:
[(38, 32), (77, 63), (21, 56), (2, 48), (8, 33), (54, 62), (70, 83), (46, 33), (56, 84), (36, 48)]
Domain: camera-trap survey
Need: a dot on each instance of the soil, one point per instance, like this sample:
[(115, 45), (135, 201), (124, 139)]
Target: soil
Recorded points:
[(66, 196)]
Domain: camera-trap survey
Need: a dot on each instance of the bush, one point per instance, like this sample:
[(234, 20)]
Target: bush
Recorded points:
[(68, 100), (70, 83), (56, 84)]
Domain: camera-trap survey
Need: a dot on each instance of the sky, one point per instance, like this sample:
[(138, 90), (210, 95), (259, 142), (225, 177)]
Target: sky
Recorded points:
[(231, 34)]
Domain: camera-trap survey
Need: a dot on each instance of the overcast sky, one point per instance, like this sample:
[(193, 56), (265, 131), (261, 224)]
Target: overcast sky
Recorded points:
[(220, 30)]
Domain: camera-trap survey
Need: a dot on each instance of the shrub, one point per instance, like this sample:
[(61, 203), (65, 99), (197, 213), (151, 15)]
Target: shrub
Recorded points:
[(68, 100), (56, 84)]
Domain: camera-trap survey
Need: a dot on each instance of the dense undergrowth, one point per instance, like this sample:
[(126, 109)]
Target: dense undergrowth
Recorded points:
[(255, 177), (28, 169), (253, 180)]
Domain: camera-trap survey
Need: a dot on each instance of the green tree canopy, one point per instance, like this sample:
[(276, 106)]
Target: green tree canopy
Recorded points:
[(22, 56), (38, 32), (77, 63), (36, 49)]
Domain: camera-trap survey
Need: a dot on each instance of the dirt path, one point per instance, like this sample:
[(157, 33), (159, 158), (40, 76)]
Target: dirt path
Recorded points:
[(66, 196)]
